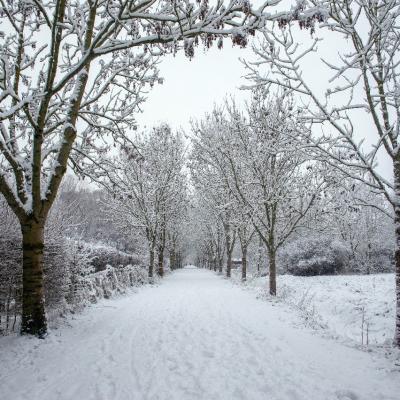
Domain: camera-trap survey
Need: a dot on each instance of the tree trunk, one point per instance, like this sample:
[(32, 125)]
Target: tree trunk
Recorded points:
[(244, 264), (33, 310), (172, 259), (220, 262), (151, 264), (161, 248), (229, 249), (369, 251), (228, 263), (397, 248), (259, 257), (272, 272), (161, 262)]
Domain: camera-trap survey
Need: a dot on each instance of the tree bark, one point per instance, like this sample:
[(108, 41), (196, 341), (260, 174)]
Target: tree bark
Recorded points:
[(244, 264), (229, 244), (172, 259), (369, 247), (228, 263), (161, 248), (33, 307), (160, 261), (259, 255), (272, 272), (151, 263), (397, 248)]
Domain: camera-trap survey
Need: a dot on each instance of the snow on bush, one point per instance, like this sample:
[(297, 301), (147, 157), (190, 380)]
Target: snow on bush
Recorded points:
[(103, 255), (314, 256), (71, 280), (105, 284)]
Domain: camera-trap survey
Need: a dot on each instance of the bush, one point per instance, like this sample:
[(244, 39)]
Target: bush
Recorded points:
[(106, 255), (382, 260), (70, 280), (111, 281), (315, 256)]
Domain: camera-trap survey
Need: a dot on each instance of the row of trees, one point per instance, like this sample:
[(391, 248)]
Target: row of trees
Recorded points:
[(85, 258), (263, 183), (72, 76), (364, 80), (66, 100), (324, 136), (277, 186), (149, 195), (103, 240)]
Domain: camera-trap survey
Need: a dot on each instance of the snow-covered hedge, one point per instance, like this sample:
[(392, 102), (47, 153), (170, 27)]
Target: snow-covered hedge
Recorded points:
[(71, 280), (314, 256), (111, 281), (106, 255)]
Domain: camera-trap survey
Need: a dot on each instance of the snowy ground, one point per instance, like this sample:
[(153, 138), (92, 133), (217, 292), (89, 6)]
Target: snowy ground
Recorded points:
[(196, 336), (353, 308)]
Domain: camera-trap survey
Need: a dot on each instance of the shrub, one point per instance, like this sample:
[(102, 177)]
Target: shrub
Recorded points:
[(71, 280), (106, 255), (315, 256)]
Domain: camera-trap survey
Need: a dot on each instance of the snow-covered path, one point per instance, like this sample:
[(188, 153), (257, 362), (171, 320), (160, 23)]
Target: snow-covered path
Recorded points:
[(194, 337)]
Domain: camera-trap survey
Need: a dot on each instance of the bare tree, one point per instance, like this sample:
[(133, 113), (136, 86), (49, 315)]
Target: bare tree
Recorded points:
[(272, 179), (72, 75), (370, 63), (207, 172), (208, 235), (245, 232), (148, 187)]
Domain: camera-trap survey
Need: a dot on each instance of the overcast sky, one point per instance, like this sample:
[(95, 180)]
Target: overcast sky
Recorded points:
[(192, 87)]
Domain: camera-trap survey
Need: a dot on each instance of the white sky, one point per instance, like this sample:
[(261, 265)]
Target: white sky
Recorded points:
[(192, 87)]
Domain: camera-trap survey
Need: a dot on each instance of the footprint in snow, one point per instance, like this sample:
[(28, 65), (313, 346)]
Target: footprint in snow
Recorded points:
[(346, 395), (208, 354)]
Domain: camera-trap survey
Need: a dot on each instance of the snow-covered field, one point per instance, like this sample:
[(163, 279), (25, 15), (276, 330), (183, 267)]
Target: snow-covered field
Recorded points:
[(356, 308), (194, 336)]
